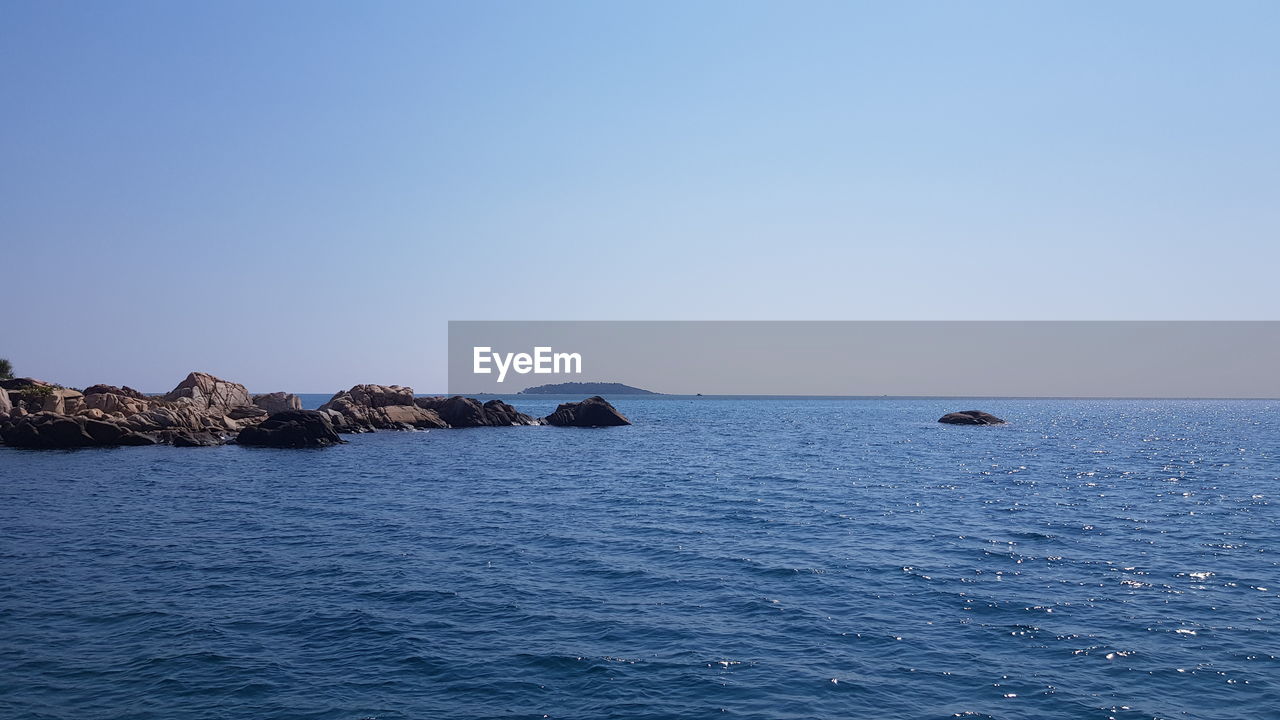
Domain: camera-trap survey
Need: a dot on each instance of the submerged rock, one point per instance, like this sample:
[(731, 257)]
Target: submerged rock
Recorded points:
[(465, 412), (970, 417), (593, 412), (292, 429)]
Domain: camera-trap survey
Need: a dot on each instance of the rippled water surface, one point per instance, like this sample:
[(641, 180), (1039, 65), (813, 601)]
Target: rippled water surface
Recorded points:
[(749, 558)]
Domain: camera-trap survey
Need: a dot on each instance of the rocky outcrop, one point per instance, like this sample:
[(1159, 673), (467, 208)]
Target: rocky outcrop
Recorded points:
[(205, 410), (379, 395), (52, 403), (292, 429), (63, 401), (39, 396), (970, 417), (246, 414), (595, 411), (50, 430), (72, 401), (379, 407), (277, 402), (23, 384), (180, 417), (201, 406), (112, 403), (206, 392), (29, 394), (201, 410), (113, 390), (465, 412)]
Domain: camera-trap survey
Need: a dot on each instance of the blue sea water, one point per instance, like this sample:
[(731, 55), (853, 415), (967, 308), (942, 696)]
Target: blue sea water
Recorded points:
[(722, 558)]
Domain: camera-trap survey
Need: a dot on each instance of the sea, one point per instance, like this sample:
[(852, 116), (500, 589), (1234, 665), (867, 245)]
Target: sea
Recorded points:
[(723, 557)]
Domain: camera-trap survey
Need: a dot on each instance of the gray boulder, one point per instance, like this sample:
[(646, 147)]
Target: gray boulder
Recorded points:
[(593, 412), (292, 429), (277, 402)]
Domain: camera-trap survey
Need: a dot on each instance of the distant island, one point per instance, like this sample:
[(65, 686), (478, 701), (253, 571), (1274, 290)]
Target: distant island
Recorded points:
[(570, 388)]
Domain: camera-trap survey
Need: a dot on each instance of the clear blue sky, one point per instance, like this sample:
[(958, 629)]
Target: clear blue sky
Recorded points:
[(299, 195)]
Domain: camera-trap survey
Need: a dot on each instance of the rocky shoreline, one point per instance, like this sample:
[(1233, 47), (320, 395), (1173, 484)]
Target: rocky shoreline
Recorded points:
[(204, 410)]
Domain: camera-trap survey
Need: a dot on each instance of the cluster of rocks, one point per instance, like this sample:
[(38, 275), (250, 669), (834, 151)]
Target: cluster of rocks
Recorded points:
[(205, 410), (365, 408), (51, 430), (201, 410)]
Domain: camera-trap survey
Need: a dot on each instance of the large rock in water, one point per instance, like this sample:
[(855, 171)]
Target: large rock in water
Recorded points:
[(5, 406), (52, 431), (206, 392), (201, 404), (465, 412), (970, 417), (278, 402), (379, 407), (292, 429), (593, 412)]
